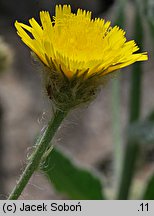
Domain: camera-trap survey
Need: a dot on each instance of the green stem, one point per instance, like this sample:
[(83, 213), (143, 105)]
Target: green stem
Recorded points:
[(42, 145), (116, 99), (128, 170), (135, 92), (116, 127), (132, 148)]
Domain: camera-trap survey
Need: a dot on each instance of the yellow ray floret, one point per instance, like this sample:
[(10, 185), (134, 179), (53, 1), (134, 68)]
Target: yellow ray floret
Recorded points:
[(75, 42)]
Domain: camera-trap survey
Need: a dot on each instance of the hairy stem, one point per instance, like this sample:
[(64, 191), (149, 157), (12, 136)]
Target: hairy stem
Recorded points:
[(42, 145)]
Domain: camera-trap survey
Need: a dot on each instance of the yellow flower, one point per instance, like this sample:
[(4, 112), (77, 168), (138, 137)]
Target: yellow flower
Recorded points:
[(76, 43), (77, 52)]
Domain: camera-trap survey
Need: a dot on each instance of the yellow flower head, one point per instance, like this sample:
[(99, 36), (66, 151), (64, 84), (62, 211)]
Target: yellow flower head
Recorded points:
[(75, 42), (77, 52)]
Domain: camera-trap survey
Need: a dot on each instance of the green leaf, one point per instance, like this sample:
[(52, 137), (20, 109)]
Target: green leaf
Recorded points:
[(142, 131), (70, 179), (149, 192)]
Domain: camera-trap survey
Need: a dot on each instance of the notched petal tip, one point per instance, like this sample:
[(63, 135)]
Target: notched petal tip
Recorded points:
[(60, 10), (16, 24), (144, 57)]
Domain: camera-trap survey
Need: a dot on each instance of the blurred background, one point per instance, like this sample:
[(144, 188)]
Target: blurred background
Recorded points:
[(88, 133)]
